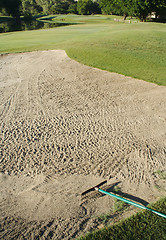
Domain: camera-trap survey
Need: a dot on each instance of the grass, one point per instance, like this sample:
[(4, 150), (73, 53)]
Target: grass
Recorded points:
[(161, 174), (142, 226), (104, 218), (137, 50), (119, 206)]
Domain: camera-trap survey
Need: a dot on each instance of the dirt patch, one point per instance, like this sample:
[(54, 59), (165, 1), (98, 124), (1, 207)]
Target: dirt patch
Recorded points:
[(64, 128)]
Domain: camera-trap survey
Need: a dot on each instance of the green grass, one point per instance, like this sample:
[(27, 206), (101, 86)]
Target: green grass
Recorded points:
[(142, 226), (137, 50), (161, 174), (119, 206), (104, 218)]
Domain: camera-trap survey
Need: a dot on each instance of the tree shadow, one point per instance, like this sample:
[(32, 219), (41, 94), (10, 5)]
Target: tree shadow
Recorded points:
[(158, 20), (47, 18), (110, 188)]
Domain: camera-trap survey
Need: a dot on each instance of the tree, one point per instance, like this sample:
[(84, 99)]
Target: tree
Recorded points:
[(142, 9), (57, 6), (120, 7), (126, 6), (12, 7), (159, 7), (96, 8), (84, 7), (30, 7), (73, 8), (45, 5), (108, 6), (138, 8)]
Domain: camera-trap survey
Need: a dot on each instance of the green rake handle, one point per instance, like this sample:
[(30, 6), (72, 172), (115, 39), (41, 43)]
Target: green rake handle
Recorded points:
[(130, 202)]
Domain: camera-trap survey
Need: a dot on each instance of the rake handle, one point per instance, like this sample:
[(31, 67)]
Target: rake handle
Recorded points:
[(130, 202)]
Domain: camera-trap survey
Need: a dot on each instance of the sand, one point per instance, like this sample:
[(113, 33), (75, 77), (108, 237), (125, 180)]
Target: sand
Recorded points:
[(66, 127)]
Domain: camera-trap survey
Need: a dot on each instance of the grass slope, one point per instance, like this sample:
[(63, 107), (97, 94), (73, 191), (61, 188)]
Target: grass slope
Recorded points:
[(142, 226), (137, 49)]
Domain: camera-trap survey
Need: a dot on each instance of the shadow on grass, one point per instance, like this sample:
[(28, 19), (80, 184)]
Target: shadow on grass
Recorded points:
[(158, 20), (5, 19), (47, 18)]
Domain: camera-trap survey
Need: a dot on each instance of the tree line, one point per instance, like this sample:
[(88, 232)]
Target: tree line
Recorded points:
[(137, 8)]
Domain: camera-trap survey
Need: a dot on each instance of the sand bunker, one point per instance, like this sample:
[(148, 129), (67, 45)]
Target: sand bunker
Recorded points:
[(64, 128)]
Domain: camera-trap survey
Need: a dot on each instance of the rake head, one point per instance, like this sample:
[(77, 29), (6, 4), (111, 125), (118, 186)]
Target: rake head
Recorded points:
[(94, 189)]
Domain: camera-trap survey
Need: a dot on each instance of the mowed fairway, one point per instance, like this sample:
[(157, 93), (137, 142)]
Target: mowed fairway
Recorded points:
[(137, 49)]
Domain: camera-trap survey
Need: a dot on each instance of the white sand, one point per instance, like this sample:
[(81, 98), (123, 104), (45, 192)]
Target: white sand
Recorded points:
[(64, 128)]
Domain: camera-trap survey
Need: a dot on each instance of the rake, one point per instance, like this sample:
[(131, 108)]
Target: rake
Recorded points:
[(97, 188)]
